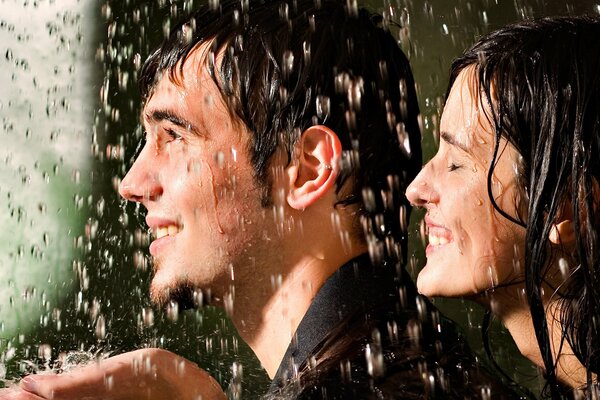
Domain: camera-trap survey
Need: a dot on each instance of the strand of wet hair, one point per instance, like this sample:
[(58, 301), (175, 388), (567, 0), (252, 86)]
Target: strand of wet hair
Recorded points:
[(485, 337)]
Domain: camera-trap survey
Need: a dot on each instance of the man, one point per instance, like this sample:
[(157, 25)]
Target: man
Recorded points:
[(280, 138)]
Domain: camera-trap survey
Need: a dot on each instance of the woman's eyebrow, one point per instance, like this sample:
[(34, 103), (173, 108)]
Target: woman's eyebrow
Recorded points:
[(451, 140)]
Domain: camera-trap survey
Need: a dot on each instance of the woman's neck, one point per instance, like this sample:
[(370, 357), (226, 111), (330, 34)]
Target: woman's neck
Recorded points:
[(510, 305)]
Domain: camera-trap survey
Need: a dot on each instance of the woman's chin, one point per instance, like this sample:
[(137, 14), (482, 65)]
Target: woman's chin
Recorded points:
[(431, 282)]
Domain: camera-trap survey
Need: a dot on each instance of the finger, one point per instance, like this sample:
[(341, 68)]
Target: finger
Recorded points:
[(147, 373), (94, 381), (17, 394)]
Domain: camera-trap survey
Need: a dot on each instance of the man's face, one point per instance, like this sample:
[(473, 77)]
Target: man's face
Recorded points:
[(195, 179), (472, 248)]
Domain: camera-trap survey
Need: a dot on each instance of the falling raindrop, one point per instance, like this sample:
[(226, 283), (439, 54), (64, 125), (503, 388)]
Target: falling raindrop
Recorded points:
[(173, 311), (563, 266), (323, 103), (445, 29), (45, 352), (288, 63), (148, 317), (236, 381)]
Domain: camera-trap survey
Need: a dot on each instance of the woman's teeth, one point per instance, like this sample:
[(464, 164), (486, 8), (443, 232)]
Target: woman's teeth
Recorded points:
[(437, 240)]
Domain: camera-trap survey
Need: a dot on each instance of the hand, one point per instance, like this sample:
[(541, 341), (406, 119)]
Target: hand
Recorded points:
[(142, 374), (15, 393)]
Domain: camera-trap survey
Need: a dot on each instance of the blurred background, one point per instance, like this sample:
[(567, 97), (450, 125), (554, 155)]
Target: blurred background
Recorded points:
[(73, 255)]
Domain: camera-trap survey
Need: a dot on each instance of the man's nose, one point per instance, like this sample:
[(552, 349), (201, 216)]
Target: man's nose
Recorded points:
[(421, 191), (142, 182)]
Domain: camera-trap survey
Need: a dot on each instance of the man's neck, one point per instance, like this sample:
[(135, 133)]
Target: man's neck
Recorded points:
[(267, 316)]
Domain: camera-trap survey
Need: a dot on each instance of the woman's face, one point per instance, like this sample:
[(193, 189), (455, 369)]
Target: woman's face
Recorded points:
[(471, 247)]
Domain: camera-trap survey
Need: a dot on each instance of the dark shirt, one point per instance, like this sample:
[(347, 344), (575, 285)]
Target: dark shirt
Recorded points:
[(369, 335)]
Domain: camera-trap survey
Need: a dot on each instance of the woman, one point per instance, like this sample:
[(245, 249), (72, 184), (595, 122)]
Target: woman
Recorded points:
[(513, 197)]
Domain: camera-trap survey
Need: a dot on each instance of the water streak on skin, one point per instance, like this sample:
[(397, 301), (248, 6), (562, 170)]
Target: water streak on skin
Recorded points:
[(215, 199)]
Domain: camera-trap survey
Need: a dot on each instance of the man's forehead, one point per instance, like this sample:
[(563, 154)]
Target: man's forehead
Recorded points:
[(191, 71), (179, 87)]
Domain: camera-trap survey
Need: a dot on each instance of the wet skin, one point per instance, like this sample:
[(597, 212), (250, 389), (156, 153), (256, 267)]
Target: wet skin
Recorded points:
[(195, 179), (471, 247), (473, 251)]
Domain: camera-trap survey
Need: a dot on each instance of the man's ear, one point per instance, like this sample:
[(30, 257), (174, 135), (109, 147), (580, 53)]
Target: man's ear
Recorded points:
[(316, 168)]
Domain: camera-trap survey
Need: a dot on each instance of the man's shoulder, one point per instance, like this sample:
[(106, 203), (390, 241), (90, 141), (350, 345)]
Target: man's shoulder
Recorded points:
[(391, 343), (386, 363)]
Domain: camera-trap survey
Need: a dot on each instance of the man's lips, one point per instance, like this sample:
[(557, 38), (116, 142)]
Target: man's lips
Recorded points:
[(164, 231)]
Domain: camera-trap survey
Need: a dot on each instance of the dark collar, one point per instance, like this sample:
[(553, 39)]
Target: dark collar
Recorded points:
[(356, 287)]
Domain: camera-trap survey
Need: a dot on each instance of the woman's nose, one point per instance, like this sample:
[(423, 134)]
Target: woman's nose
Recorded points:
[(421, 191)]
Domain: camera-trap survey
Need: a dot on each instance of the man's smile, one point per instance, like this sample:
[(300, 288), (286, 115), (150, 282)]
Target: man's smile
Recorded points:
[(163, 230)]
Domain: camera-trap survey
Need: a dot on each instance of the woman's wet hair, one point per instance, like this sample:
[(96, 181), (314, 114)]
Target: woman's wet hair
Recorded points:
[(541, 80), (288, 65)]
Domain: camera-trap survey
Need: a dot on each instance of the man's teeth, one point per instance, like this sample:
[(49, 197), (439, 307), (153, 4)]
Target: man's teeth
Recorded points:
[(437, 240), (163, 231)]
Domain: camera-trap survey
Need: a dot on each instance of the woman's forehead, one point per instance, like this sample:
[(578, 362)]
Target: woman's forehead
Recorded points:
[(466, 117)]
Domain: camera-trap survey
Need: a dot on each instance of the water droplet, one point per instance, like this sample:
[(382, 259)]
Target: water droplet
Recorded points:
[(220, 159), (374, 358), (101, 327), (306, 51), (109, 382), (355, 91), (403, 139), (352, 8), (288, 63), (235, 385), (148, 317), (173, 311), (563, 266), (44, 351), (323, 104)]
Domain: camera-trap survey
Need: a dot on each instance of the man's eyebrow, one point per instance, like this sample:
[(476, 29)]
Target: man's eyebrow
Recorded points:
[(448, 138), (168, 115)]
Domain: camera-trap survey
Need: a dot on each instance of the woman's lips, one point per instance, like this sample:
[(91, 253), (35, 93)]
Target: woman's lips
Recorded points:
[(437, 236)]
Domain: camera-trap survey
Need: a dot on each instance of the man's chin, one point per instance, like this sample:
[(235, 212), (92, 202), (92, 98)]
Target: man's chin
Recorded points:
[(184, 294)]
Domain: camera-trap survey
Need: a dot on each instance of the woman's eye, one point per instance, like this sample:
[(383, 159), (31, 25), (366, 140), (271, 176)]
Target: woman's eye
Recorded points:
[(173, 135), (453, 167)]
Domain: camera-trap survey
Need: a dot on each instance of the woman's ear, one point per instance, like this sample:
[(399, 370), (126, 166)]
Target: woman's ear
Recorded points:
[(563, 229), (315, 171), (562, 232)]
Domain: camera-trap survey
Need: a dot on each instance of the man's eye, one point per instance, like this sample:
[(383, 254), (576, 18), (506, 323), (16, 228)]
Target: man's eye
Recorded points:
[(453, 167)]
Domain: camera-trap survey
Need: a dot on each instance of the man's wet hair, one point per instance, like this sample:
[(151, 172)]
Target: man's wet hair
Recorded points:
[(288, 65)]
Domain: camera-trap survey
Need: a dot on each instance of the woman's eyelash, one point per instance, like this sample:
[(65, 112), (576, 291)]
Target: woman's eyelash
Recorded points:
[(453, 167), (174, 135)]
